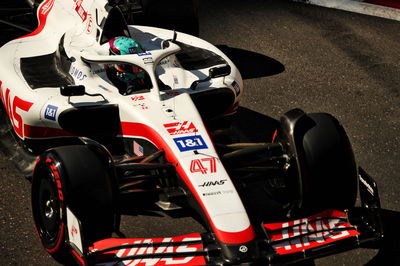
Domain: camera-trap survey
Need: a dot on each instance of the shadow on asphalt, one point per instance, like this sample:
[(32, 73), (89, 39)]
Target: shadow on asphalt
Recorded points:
[(389, 249), (251, 64)]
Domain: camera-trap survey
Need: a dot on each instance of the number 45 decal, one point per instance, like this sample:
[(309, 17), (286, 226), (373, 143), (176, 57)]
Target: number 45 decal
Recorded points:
[(204, 166)]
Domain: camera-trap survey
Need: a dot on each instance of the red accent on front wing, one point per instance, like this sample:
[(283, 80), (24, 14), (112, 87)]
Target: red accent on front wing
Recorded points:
[(79, 258), (167, 246), (237, 237), (137, 129), (298, 235)]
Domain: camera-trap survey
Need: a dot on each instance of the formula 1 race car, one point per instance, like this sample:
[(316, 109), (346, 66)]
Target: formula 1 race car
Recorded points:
[(94, 146)]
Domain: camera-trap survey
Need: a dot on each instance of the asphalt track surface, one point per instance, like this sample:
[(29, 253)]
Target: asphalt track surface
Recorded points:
[(290, 55)]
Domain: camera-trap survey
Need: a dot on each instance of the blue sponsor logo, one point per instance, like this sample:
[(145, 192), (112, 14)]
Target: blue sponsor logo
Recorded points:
[(190, 143), (50, 112), (78, 74), (142, 54), (236, 86)]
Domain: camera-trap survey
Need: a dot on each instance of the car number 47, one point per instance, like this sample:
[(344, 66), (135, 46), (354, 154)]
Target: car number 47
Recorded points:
[(204, 166)]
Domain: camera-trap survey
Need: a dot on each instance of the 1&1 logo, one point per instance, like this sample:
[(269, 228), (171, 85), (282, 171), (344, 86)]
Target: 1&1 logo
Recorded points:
[(190, 143), (50, 112)]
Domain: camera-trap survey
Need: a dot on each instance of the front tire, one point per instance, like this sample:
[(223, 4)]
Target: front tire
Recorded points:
[(331, 180), (325, 172), (73, 177)]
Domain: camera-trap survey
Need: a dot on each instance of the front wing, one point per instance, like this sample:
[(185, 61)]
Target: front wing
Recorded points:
[(325, 233)]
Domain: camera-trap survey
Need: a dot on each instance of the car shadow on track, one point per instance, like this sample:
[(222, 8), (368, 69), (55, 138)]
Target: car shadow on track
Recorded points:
[(252, 64), (389, 248)]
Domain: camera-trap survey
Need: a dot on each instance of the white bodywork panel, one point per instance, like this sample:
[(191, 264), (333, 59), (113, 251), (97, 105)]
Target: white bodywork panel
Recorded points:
[(192, 151)]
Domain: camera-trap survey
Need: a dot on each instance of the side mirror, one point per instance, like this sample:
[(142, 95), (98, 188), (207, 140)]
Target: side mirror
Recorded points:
[(220, 71), (214, 72), (77, 90), (72, 90)]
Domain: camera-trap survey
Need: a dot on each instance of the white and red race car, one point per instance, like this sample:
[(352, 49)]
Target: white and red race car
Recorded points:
[(88, 147)]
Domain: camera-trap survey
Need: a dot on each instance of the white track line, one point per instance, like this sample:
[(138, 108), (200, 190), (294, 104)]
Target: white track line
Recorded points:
[(357, 6)]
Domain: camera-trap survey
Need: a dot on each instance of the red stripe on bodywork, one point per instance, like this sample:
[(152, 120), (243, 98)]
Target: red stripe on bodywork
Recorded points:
[(141, 130), (24, 106), (45, 132), (11, 106), (43, 11)]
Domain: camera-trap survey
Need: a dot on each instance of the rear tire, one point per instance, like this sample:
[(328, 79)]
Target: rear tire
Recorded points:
[(73, 177)]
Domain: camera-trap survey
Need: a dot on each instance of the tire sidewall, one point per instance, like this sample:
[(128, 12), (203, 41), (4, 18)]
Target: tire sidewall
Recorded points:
[(83, 183), (46, 165), (331, 178)]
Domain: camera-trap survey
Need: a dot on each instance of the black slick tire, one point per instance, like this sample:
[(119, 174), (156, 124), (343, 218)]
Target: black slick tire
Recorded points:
[(74, 177), (329, 172)]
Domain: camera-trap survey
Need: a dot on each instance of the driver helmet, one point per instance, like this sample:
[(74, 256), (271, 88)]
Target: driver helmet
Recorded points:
[(123, 46)]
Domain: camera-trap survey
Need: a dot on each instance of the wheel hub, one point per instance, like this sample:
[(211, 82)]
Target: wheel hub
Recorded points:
[(49, 209)]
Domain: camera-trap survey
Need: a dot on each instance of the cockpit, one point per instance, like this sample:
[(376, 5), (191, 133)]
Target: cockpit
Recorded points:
[(115, 36)]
